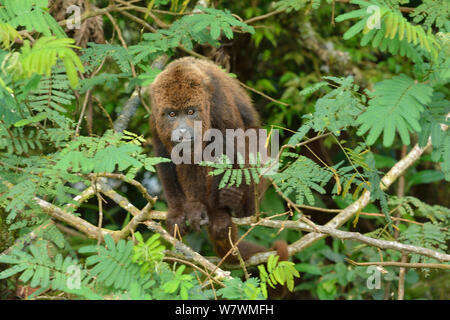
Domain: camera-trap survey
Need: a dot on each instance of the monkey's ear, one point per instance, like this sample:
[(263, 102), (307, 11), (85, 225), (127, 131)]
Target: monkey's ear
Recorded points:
[(206, 83)]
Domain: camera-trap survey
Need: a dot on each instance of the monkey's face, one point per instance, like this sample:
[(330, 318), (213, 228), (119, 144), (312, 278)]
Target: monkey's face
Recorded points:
[(179, 100), (182, 123)]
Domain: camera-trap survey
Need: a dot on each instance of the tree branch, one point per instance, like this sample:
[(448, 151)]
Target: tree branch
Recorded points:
[(330, 231), (187, 251), (355, 207), (402, 264), (324, 231)]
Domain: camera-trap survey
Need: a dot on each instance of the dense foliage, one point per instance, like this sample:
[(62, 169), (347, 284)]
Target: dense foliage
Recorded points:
[(353, 86)]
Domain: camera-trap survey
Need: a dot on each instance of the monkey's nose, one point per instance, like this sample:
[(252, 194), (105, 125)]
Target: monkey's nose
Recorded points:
[(181, 135), (184, 135)]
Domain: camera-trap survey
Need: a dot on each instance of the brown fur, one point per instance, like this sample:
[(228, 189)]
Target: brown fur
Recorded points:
[(191, 194)]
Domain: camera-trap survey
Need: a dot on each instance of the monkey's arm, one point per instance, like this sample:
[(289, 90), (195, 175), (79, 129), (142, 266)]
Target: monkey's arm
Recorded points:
[(250, 195), (181, 199), (192, 179), (240, 200), (175, 197)]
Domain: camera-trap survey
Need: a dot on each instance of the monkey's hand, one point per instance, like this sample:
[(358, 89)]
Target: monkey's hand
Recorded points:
[(196, 214), (176, 218), (231, 197), (220, 225)]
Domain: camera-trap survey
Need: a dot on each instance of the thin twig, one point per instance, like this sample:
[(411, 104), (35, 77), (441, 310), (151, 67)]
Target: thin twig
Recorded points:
[(401, 276), (262, 17), (401, 264), (158, 21), (368, 214), (238, 254), (122, 40), (83, 109), (111, 123), (133, 182), (262, 94)]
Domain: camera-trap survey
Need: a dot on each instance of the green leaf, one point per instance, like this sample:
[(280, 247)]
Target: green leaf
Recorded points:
[(12, 271), (355, 29), (395, 105), (308, 268), (425, 176), (41, 116)]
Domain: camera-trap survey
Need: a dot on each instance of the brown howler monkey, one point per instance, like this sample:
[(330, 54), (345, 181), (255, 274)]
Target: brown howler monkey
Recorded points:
[(191, 90)]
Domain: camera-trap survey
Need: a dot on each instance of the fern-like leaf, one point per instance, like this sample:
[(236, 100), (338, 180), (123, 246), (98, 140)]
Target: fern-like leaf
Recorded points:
[(301, 178), (39, 270), (392, 31), (7, 35), (31, 14), (112, 264), (44, 54), (395, 105)]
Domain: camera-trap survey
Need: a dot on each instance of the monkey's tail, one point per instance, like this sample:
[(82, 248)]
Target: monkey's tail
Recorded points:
[(247, 249), (281, 247)]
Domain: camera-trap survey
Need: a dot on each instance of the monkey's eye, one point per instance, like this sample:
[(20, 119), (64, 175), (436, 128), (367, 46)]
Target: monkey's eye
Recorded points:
[(172, 114), (190, 112)]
